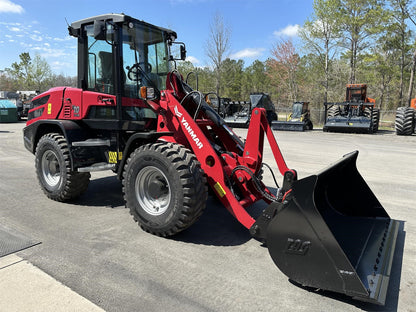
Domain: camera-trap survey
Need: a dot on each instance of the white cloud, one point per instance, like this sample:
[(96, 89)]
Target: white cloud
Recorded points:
[(6, 6), (14, 29), (247, 53), (192, 59), (50, 52), (36, 38), (288, 31), (62, 39)]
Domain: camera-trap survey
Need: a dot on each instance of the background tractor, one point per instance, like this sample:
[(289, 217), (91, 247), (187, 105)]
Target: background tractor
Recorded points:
[(133, 113), (357, 114), (237, 114), (298, 120)]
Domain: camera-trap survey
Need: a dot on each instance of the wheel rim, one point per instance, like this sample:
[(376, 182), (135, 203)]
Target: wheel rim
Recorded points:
[(153, 190), (51, 169)]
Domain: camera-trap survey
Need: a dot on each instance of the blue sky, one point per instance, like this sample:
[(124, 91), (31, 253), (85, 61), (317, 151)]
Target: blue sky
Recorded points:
[(39, 26)]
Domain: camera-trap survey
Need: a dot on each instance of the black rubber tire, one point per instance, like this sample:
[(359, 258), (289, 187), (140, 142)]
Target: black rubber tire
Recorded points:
[(184, 186), (53, 169), (405, 121), (334, 111), (309, 125), (378, 119), (375, 118)]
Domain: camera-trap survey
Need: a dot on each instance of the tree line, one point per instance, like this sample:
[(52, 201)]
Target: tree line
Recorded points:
[(32, 74), (343, 41)]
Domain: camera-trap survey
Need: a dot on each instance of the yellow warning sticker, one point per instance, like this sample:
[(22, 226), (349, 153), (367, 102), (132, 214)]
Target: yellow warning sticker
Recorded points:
[(219, 189), (120, 155), (112, 157), (49, 108)]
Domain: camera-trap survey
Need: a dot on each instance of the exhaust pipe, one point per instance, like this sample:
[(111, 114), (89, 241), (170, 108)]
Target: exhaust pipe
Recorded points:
[(332, 233)]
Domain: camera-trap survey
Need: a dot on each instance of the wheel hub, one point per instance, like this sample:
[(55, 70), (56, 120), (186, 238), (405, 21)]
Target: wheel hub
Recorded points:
[(153, 190), (51, 170), (158, 189)]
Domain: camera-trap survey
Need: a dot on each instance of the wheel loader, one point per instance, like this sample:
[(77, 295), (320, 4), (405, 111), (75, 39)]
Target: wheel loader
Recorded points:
[(358, 113), (298, 120), (133, 113)]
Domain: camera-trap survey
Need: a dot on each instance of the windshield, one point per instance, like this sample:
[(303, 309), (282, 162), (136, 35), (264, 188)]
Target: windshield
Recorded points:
[(297, 110), (144, 59)]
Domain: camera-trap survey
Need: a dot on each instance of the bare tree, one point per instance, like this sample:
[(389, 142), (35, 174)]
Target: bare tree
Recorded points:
[(283, 68), (217, 46)]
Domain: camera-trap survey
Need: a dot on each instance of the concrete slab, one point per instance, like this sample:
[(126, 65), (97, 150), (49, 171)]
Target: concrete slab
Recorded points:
[(24, 287)]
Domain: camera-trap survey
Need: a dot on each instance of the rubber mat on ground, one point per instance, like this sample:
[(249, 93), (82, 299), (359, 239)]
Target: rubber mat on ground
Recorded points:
[(12, 241)]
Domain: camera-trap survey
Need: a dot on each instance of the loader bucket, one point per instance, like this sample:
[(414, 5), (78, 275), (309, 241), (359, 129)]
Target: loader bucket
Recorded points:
[(333, 234)]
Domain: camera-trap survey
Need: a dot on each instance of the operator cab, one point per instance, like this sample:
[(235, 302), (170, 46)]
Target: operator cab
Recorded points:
[(117, 55)]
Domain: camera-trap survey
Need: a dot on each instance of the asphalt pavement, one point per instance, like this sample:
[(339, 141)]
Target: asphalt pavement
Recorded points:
[(94, 257)]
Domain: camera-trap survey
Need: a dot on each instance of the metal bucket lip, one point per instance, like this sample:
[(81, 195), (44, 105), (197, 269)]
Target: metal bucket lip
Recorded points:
[(352, 276), (349, 156)]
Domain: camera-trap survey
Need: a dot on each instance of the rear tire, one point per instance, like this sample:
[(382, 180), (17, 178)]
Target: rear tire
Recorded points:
[(405, 121), (53, 169), (164, 188), (374, 115)]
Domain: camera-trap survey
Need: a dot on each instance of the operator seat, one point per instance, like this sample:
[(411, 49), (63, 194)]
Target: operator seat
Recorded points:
[(106, 70), (105, 80)]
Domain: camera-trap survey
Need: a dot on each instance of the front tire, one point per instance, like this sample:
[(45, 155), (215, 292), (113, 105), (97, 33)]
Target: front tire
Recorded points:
[(164, 188), (53, 169)]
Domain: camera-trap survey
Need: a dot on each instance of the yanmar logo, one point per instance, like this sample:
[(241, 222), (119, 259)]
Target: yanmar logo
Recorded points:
[(179, 114), (188, 128)]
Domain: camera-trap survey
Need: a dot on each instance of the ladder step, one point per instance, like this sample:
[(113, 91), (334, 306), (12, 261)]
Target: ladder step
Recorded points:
[(92, 142), (97, 167)]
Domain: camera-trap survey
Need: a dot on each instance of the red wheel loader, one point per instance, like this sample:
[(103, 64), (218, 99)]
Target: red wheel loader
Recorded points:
[(135, 116)]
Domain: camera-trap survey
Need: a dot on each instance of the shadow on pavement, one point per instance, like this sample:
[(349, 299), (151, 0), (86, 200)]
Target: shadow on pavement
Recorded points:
[(218, 227), (102, 192)]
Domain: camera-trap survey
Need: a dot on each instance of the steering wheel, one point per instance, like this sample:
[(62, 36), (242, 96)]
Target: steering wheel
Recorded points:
[(134, 73)]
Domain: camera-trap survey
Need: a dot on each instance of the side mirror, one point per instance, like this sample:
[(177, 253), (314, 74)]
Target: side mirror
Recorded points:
[(175, 53), (183, 52)]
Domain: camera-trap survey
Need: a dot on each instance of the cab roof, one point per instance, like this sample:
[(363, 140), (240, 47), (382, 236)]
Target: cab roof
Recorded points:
[(115, 18)]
